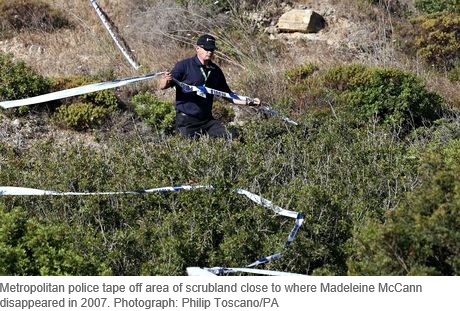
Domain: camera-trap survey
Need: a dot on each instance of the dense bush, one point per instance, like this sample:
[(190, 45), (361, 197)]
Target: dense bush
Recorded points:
[(337, 176), (80, 116), (434, 6), (421, 235), (18, 80), (297, 74), (156, 113), (84, 111), (31, 247), (434, 38), (368, 95), (31, 15)]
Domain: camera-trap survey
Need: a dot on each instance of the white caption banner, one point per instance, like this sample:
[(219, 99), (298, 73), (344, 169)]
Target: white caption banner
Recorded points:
[(242, 293)]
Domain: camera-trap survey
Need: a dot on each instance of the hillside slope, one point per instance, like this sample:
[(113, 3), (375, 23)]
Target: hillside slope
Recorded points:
[(372, 166)]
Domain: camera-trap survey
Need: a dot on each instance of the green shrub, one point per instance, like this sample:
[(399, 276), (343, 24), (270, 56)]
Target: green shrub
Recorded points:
[(434, 6), (18, 80), (30, 247), (338, 176), (84, 111), (420, 236), (434, 38), (365, 94), (156, 113), (31, 15), (300, 73), (80, 116)]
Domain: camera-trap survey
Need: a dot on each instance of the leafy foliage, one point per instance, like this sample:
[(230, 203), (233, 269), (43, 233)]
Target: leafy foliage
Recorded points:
[(80, 116), (156, 113), (365, 94), (27, 14), (339, 178), (85, 111), (300, 73), (420, 236), (18, 80), (434, 6), (434, 38), (30, 247)]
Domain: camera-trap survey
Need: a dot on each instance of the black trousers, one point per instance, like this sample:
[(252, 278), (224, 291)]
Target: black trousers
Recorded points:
[(191, 127)]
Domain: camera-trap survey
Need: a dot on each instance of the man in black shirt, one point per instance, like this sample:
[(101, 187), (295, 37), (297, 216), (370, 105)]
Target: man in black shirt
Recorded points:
[(194, 109)]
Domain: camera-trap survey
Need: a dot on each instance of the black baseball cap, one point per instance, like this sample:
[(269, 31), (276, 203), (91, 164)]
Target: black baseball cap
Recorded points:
[(207, 42)]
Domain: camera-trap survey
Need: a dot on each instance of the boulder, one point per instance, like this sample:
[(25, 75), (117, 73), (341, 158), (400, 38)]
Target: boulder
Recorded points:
[(305, 21)]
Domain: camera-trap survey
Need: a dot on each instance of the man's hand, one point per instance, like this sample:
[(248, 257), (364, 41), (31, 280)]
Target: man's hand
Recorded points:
[(165, 80), (252, 102)]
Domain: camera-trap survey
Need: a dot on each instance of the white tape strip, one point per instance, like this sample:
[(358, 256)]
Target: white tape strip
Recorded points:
[(280, 211), (79, 90), (19, 191), (106, 24), (268, 204), (197, 271), (273, 112)]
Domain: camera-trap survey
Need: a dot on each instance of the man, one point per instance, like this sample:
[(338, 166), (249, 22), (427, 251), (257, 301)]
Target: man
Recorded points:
[(194, 109)]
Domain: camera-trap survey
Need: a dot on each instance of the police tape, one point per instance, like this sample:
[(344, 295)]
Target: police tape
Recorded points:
[(122, 47), (199, 271), (207, 90), (280, 211), (21, 191), (100, 86), (79, 90)]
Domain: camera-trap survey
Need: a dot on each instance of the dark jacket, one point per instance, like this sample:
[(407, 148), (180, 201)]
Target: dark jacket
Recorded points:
[(192, 72)]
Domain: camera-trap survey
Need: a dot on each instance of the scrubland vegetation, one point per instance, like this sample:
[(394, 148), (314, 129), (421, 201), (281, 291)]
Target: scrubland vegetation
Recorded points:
[(373, 164)]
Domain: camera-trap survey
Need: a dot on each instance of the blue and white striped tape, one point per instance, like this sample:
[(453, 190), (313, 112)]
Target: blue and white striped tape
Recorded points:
[(280, 211), (207, 90), (21, 191)]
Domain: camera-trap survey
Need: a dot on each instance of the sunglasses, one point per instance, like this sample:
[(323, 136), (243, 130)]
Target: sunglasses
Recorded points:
[(208, 50)]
